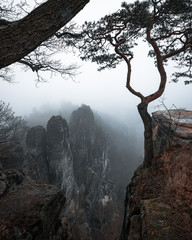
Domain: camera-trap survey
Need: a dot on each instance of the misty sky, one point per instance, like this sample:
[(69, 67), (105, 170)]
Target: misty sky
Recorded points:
[(104, 91)]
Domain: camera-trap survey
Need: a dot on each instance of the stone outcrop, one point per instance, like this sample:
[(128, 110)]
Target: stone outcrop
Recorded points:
[(171, 128), (158, 204), (36, 164), (97, 194), (79, 159), (27, 210), (78, 162), (9, 180), (158, 200), (83, 136), (13, 157), (60, 159)]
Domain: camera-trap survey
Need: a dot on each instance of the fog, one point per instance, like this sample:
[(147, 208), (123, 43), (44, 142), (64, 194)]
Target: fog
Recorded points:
[(104, 92)]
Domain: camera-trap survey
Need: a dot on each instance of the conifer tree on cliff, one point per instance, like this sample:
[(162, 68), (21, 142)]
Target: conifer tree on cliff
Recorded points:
[(21, 37), (166, 25)]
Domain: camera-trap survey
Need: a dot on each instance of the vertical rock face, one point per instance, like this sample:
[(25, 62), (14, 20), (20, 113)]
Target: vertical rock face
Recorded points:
[(78, 163), (36, 138), (159, 199), (171, 128), (82, 132), (89, 146), (78, 159), (60, 157), (92, 174), (58, 147), (36, 163)]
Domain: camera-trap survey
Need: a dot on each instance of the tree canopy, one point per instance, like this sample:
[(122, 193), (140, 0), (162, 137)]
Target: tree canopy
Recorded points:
[(167, 28), (164, 24)]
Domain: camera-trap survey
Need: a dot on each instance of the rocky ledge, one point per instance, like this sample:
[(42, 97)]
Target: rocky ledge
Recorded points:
[(28, 211), (171, 128), (159, 199)]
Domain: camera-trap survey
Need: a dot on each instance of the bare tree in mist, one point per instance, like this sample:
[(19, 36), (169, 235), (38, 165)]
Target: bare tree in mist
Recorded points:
[(33, 38), (12, 127)]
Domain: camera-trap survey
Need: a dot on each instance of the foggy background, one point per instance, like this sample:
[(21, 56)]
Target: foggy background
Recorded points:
[(104, 92)]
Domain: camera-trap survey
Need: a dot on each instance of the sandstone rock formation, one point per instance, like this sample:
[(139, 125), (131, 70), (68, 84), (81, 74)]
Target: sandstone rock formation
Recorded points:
[(36, 164), (60, 159), (158, 203), (97, 194), (28, 211), (79, 159), (171, 128), (158, 200), (9, 180)]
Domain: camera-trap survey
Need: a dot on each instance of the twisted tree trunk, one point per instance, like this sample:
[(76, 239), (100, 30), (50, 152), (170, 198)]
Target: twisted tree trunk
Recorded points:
[(22, 37), (148, 133)]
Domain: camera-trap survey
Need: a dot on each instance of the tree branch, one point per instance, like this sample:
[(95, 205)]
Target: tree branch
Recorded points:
[(28, 33), (187, 45), (160, 67), (128, 62)]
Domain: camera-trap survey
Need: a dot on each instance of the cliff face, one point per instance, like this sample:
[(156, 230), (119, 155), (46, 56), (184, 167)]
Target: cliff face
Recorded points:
[(60, 158), (97, 194), (81, 160), (158, 203), (36, 164), (77, 158), (159, 199)]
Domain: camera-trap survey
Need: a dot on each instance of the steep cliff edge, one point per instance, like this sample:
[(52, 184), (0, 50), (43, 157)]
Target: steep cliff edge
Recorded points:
[(80, 160), (158, 203)]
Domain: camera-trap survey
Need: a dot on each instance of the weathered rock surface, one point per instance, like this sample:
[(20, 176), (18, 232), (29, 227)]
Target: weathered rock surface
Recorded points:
[(13, 157), (82, 162), (58, 147), (28, 210), (60, 157), (97, 193), (60, 161), (159, 203), (9, 180), (36, 163), (79, 164), (83, 136), (171, 128), (156, 220)]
